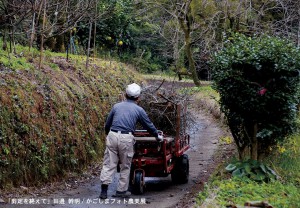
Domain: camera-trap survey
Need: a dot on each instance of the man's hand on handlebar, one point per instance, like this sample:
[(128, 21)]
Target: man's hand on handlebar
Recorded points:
[(160, 136)]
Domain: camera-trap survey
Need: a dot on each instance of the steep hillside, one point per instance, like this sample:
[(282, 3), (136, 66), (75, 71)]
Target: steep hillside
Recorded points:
[(51, 120)]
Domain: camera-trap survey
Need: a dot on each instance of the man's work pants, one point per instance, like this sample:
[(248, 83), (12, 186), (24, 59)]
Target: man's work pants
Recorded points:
[(119, 148)]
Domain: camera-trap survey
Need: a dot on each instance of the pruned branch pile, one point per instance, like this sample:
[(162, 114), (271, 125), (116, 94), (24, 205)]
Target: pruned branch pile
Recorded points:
[(161, 107)]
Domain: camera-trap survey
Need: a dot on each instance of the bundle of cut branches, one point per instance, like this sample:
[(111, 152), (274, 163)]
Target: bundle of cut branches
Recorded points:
[(161, 105)]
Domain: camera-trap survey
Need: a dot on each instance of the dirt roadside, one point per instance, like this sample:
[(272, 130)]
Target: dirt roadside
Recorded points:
[(205, 154)]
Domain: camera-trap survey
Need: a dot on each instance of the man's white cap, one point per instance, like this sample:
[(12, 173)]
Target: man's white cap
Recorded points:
[(133, 90)]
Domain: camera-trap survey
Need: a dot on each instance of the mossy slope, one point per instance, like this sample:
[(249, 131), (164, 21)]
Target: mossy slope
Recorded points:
[(51, 120)]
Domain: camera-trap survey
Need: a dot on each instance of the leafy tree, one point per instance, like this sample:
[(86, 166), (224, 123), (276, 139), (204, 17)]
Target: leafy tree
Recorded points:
[(111, 27), (42, 18), (176, 24), (258, 80), (147, 47)]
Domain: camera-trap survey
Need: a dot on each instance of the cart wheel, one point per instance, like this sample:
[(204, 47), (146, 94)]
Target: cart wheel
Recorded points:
[(138, 186), (180, 173)]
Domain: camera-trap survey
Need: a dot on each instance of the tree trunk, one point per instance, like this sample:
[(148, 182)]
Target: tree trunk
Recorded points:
[(221, 21), (4, 46), (188, 50), (42, 36), (254, 143), (60, 43), (176, 54), (298, 38), (70, 43), (244, 153), (192, 66), (68, 46), (10, 40), (95, 31), (89, 45), (32, 31), (13, 38)]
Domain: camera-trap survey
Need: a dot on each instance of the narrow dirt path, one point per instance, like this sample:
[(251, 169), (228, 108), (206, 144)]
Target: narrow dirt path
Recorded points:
[(204, 156), (160, 192)]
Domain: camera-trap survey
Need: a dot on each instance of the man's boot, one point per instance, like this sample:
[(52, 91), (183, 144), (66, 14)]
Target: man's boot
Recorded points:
[(103, 194), (122, 194)]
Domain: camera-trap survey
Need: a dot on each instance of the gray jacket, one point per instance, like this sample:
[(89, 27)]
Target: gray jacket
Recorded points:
[(124, 116)]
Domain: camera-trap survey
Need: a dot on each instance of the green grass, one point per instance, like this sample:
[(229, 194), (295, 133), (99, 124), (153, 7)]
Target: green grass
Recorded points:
[(237, 191), (21, 59), (168, 76), (14, 61), (286, 160), (204, 92), (282, 193), (171, 76)]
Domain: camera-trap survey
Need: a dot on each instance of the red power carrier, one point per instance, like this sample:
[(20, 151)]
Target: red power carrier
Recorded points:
[(159, 159)]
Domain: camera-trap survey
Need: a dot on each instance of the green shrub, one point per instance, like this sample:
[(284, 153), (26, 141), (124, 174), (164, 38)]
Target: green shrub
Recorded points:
[(258, 80)]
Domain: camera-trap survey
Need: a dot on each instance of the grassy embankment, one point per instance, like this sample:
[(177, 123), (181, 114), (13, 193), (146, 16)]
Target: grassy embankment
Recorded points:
[(51, 120), (223, 190)]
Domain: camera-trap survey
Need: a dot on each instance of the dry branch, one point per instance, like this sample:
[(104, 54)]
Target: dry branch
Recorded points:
[(161, 107)]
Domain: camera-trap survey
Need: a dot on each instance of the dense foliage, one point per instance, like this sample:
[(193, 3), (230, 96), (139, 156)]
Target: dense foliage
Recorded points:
[(258, 80)]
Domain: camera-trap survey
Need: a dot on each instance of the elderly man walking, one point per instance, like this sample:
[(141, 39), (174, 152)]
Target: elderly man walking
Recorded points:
[(119, 127)]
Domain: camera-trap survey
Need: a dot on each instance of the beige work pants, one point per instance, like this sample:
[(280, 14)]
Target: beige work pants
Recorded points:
[(119, 147)]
